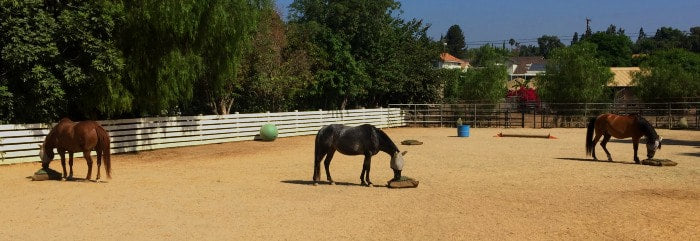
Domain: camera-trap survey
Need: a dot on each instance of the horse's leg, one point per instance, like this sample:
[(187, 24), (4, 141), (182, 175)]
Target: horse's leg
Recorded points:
[(327, 164), (62, 153), (635, 146), (364, 176), (368, 165), (88, 158), (606, 138), (595, 141), (317, 166), (99, 163), (70, 163)]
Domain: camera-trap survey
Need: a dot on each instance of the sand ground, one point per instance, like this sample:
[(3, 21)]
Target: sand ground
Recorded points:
[(476, 188)]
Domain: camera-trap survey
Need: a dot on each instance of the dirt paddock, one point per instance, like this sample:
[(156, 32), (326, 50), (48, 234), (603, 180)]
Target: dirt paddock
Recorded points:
[(480, 187)]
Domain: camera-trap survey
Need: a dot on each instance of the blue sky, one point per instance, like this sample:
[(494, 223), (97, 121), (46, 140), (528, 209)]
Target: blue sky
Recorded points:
[(493, 20)]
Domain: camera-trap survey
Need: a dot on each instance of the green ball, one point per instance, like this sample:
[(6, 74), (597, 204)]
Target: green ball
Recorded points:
[(268, 132)]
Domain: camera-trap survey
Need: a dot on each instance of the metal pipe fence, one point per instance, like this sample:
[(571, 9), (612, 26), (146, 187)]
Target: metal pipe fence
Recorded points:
[(546, 115)]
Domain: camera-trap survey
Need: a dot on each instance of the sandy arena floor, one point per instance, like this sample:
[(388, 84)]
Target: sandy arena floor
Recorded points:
[(475, 188)]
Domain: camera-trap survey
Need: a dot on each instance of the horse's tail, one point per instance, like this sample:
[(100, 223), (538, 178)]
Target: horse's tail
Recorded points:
[(103, 144), (589, 136)]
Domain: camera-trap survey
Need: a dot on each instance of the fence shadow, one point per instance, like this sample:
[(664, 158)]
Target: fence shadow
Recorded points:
[(311, 183), (665, 141), (592, 160), (693, 154)]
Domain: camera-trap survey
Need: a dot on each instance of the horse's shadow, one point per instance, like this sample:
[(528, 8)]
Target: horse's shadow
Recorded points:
[(311, 183), (592, 160), (74, 179)]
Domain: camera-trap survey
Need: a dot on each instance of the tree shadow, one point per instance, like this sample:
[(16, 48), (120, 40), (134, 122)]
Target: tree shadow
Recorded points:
[(696, 154), (592, 160), (311, 183)]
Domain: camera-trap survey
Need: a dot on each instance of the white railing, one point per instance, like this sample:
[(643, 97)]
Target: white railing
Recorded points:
[(19, 143)]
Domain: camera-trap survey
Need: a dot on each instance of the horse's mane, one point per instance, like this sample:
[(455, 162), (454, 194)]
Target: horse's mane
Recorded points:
[(387, 140), (646, 128)]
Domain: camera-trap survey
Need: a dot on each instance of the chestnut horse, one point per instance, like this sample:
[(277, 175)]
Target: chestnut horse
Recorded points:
[(621, 127), (364, 140), (84, 136)]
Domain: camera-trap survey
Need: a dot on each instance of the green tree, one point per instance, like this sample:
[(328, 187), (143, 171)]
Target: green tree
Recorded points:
[(91, 61), (612, 48), (695, 39), (486, 56), (486, 84), (528, 50), (641, 35), (176, 49), (58, 59), (574, 40), (669, 75), (6, 105), (452, 84), (573, 74), (456, 44), (355, 55), (666, 38), (547, 44), (271, 75), (612, 29)]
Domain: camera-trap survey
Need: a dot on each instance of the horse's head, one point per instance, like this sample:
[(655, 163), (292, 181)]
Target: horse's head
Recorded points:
[(397, 163), (652, 146), (45, 155)]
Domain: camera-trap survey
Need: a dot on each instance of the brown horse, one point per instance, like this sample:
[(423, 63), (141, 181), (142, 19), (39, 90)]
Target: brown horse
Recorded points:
[(621, 127), (84, 136)]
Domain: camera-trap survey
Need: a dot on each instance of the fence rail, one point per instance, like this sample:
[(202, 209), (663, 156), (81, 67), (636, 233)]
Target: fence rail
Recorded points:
[(546, 115), (19, 143)]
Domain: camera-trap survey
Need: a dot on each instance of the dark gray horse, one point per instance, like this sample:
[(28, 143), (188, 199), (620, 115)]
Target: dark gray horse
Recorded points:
[(364, 140)]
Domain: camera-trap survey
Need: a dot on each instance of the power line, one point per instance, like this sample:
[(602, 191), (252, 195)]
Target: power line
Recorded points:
[(532, 40)]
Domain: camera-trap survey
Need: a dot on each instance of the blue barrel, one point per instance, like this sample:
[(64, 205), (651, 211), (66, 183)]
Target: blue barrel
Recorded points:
[(463, 131)]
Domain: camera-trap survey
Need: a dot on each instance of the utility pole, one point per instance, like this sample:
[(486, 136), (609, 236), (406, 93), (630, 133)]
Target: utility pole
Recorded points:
[(588, 28)]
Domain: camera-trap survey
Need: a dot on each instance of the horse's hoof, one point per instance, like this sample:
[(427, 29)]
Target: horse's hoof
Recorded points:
[(370, 185), (332, 183), (315, 184), (97, 181), (64, 179)]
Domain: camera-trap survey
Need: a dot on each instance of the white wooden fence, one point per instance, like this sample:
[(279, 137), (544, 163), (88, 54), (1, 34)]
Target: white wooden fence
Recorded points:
[(19, 143)]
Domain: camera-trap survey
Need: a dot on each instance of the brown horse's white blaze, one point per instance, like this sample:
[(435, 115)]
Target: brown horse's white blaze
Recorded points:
[(71, 137), (629, 126)]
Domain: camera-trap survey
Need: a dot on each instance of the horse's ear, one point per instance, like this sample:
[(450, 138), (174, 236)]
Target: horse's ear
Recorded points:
[(404, 153)]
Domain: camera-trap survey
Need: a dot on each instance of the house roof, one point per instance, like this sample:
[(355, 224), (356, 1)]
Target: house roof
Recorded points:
[(623, 76), (446, 57), (525, 63)]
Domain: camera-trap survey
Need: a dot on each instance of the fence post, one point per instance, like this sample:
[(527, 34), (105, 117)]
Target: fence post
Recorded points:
[(474, 115), (415, 114), (670, 123), (236, 120), (441, 106), (296, 120)]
